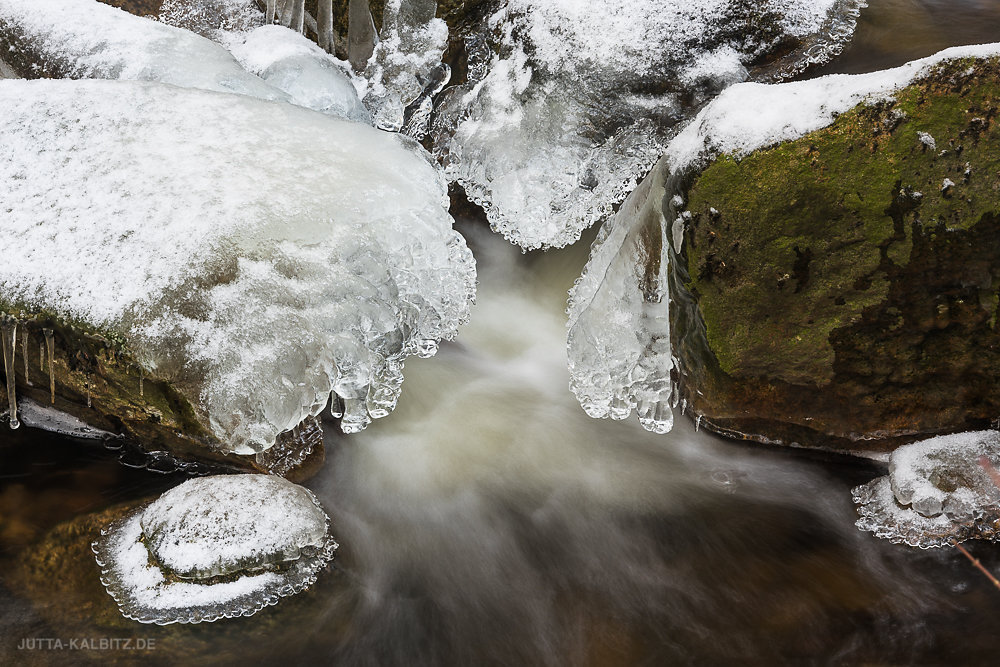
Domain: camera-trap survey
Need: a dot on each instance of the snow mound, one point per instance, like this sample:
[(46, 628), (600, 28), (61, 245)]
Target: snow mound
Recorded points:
[(575, 101), (938, 491), (308, 75), (255, 255), (85, 39), (265, 536), (221, 525)]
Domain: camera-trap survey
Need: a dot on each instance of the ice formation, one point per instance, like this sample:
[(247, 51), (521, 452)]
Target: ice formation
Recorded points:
[(309, 76), (49, 419), (619, 330), (745, 117), (257, 256), (85, 39), (937, 492), (570, 103), (406, 62), (214, 547)]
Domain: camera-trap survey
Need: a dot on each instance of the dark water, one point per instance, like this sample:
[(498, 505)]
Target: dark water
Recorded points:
[(489, 521)]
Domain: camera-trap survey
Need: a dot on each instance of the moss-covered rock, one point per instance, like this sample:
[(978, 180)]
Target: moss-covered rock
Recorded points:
[(843, 287)]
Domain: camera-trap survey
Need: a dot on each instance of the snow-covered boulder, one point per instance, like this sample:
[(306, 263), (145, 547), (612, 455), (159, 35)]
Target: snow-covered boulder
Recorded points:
[(249, 257), (215, 547), (568, 103), (85, 39)]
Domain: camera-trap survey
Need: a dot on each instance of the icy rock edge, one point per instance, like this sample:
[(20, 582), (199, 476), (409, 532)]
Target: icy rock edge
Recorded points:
[(569, 104), (256, 256), (254, 538), (619, 350), (938, 492)]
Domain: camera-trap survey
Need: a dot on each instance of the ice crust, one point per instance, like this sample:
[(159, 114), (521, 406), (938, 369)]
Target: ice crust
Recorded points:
[(308, 75), (612, 366), (270, 538), (221, 525), (85, 39), (618, 328), (936, 492), (256, 255), (570, 103)]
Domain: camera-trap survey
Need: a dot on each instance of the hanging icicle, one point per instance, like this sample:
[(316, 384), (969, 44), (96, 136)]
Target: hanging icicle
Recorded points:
[(8, 332)]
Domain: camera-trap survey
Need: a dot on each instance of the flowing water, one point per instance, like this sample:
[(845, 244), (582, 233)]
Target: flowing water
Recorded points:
[(489, 521)]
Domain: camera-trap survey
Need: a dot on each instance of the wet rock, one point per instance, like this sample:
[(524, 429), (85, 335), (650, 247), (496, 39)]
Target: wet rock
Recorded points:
[(830, 291)]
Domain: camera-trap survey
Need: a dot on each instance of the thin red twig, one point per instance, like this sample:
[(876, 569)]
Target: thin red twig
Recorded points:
[(977, 564)]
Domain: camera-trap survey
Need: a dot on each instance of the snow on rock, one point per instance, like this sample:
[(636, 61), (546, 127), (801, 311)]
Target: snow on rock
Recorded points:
[(255, 255), (937, 491), (221, 525), (214, 547), (214, 19), (749, 116), (85, 39), (618, 329), (308, 75), (577, 100)]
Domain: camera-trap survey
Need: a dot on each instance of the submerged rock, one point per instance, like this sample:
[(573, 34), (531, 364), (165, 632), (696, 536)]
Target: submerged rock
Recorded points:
[(566, 105), (215, 547), (938, 492), (214, 266)]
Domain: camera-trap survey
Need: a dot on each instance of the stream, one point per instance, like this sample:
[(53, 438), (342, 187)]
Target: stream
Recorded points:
[(488, 520)]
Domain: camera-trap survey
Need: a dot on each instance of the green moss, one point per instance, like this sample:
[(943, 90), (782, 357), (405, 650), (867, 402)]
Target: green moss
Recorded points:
[(810, 233)]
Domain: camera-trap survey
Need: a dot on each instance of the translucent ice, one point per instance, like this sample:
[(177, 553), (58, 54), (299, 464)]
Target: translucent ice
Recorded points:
[(619, 330), (937, 491), (411, 45), (85, 39), (291, 63), (215, 547), (257, 256), (578, 99)]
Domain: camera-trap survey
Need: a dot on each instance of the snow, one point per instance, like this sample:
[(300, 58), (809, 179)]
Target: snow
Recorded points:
[(236, 523), (85, 39), (308, 75), (563, 125), (618, 329), (220, 525), (255, 255), (749, 116)]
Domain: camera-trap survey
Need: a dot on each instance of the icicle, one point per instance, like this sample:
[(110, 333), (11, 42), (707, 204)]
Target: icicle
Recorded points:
[(336, 406), (50, 345), (87, 385), (360, 34), (697, 424), (270, 11), (324, 26), (24, 353), (8, 331), (298, 16), (41, 355), (141, 383)]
